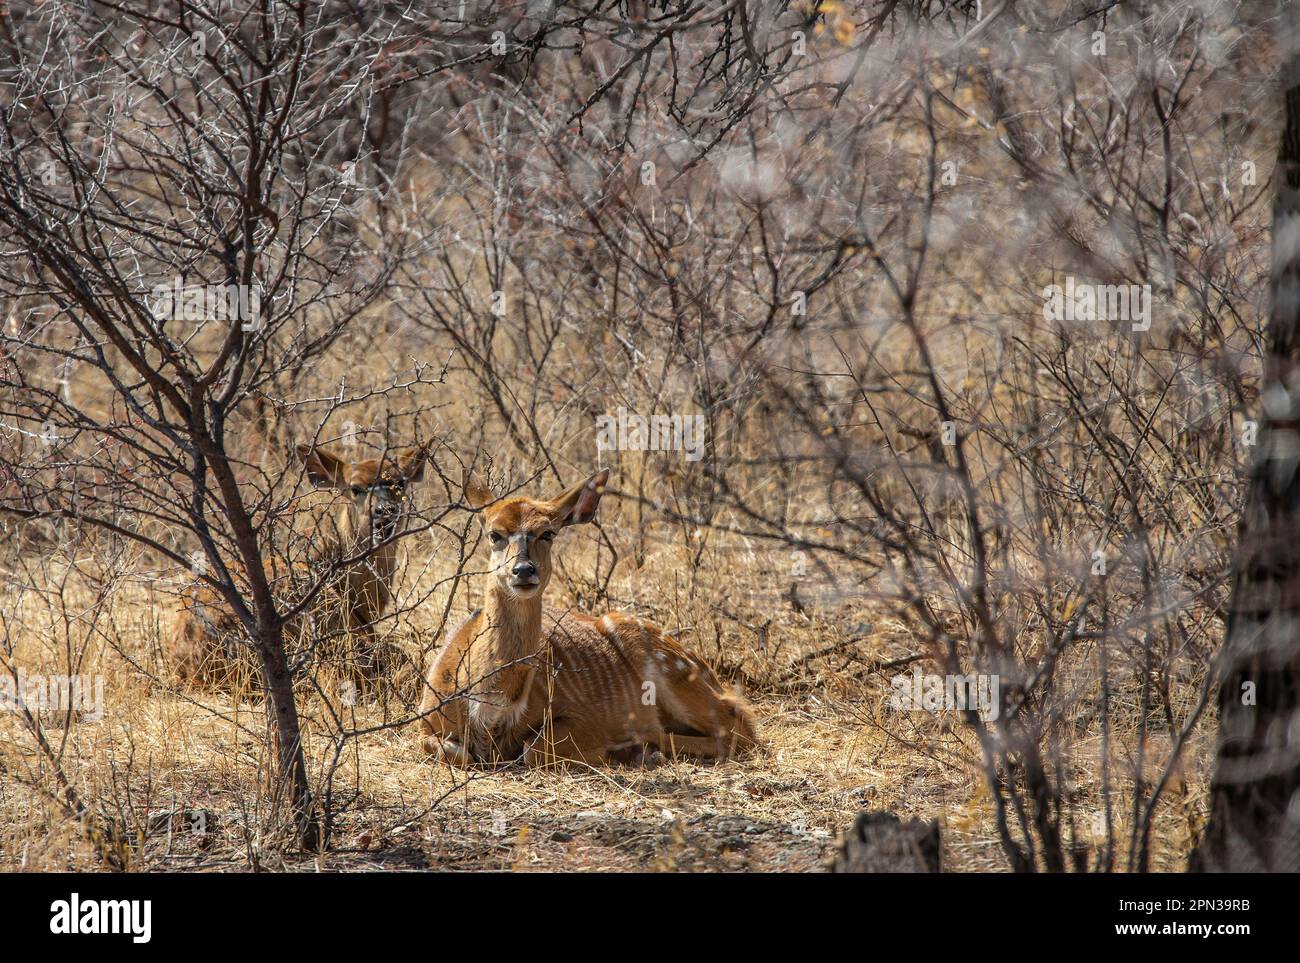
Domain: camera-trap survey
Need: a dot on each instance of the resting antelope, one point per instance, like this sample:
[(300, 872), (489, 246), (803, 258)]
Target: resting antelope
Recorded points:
[(356, 505), (518, 681)]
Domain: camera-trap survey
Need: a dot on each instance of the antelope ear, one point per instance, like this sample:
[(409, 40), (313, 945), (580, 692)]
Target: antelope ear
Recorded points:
[(578, 505), (477, 492), (410, 463), (323, 466)]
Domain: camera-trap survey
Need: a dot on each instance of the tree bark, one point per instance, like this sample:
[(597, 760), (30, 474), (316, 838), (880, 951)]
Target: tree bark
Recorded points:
[(1254, 822), (283, 709), (269, 636)]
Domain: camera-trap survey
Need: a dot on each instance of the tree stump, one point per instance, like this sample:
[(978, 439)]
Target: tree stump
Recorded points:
[(880, 842)]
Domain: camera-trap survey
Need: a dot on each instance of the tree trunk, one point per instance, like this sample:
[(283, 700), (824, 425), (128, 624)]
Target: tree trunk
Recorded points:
[(292, 768), (269, 633), (1254, 822)]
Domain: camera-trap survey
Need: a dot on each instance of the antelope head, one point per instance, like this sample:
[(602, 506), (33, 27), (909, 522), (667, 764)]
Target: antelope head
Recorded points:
[(377, 487), (520, 530)]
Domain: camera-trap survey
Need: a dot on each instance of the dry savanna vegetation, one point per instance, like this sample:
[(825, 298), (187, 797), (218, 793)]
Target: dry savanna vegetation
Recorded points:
[(923, 340)]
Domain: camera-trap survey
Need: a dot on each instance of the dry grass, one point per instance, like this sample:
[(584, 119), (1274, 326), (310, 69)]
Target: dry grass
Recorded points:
[(832, 747), (657, 304)]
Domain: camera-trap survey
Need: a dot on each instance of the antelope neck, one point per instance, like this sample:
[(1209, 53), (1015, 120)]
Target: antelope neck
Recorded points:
[(515, 624)]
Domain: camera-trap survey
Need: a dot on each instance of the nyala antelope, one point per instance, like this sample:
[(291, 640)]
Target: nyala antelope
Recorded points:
[(352, 513), (543, 686)]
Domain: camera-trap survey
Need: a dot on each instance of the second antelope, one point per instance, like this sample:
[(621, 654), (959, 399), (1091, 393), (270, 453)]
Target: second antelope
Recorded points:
[(352, 514), (518, 681)]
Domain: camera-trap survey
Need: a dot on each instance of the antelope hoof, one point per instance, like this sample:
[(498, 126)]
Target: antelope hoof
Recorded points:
[(447, 750), (642, 757), (652, 758)]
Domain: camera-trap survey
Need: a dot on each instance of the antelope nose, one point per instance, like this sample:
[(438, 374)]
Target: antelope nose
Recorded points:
[(524, 569)]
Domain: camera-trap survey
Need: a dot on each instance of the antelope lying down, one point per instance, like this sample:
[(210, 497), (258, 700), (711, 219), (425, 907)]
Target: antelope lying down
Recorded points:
[(353, 513), (518, 681)]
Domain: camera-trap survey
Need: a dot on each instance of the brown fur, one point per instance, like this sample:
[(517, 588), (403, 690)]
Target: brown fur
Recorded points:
[(208, 647), (517, 680)]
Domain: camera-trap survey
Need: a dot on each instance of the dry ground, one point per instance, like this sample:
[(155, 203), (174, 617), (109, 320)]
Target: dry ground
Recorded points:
[(833, 747)]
